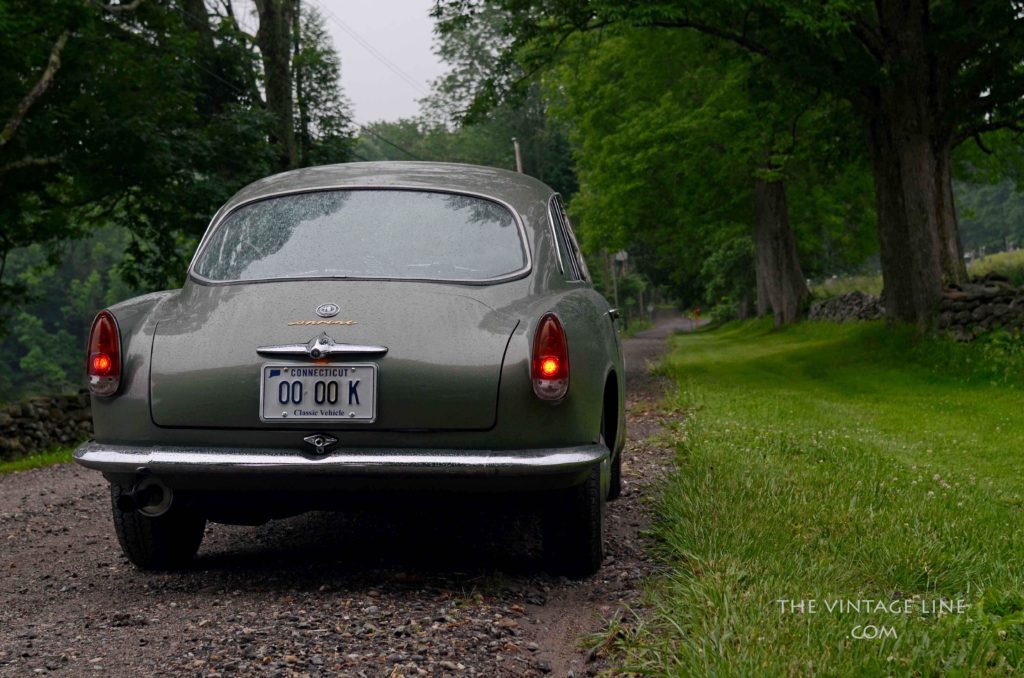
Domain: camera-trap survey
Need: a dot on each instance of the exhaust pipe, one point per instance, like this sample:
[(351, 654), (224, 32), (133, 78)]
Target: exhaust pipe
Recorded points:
[(149, 497)]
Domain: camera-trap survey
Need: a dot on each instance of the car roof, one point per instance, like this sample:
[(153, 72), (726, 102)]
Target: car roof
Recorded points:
[(519, 190)]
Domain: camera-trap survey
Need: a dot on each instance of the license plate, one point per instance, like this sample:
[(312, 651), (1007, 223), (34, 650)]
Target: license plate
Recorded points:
[(319, 393)]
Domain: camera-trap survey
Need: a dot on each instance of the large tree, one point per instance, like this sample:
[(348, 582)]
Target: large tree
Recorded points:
[(81, 148), (145, 115), (922, 76), (277, 21), (472, 50), (685, 166), (445, 130), (323, 120)]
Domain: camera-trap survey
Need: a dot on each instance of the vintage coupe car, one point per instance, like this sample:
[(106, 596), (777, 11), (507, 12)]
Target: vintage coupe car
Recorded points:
[(352, 330)]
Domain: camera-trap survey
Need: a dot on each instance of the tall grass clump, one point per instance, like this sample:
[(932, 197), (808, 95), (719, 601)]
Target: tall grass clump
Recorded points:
[(832, 462)]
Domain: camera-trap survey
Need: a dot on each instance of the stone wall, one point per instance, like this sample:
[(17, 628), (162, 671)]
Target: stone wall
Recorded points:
[(44, 422), (849, 306), (969, 311)]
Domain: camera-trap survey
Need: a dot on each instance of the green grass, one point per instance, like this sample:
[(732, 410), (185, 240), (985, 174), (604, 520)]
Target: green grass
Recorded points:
[(58, 456), (835, 462), (636, 326), (835, 287), (1010, 264)]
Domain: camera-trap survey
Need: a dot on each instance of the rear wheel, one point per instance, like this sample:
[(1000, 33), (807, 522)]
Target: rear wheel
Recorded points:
[(615, 487), (165, 542), (615, 484), (574, 528)]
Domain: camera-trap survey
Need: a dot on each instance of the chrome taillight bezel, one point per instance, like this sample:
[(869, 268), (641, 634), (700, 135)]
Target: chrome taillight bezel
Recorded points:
[(104, 385), (550, 389)]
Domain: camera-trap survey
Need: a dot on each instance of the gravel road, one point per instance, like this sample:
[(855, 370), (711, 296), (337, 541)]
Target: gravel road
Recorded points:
[(445, 590)]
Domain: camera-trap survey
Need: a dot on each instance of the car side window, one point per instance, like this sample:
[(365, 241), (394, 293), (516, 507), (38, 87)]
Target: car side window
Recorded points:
[(567, 243), (565, 257)]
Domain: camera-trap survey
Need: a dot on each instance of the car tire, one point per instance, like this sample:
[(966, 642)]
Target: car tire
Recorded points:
[(615, 486), (574, 528), (166, 542)]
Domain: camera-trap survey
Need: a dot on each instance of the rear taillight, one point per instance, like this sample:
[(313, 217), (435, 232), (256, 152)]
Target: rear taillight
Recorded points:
[(550, 368), (104, 359)]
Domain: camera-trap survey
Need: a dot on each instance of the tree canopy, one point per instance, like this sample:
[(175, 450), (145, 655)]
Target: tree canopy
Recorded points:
[(133, 122), (734, 150), (147, 116), (921, 77)]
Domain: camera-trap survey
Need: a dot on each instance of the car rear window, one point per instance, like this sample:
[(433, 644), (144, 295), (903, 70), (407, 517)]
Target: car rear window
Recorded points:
[(363, 233)]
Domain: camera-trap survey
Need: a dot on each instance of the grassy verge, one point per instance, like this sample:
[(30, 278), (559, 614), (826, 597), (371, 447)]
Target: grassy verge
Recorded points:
[(635, 327), (1010, 264), (58, 456), (834, 287), (837, 463)]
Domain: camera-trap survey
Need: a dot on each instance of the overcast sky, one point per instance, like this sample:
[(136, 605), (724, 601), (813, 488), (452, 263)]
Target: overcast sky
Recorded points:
[(401, 33)]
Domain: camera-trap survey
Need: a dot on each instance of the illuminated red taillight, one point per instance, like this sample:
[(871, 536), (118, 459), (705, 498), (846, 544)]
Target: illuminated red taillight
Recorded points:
[(101, 364), (104, 362), (550, 370)]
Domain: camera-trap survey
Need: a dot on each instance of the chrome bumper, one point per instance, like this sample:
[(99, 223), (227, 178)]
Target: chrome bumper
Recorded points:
[(566, 462)]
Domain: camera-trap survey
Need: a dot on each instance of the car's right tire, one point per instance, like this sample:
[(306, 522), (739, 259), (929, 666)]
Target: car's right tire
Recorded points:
[(574, 528), (165, 542), (615, 486)]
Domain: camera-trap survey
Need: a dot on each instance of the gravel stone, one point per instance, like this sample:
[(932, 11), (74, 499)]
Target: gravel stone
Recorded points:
[(413, 591)]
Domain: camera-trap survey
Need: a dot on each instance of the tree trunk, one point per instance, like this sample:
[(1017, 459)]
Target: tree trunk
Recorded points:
[(304, 137), (746, 307), (274, 40), (909, 237), (778, 268), (910, 144), (213, 97), (762, 289), (954, 267)]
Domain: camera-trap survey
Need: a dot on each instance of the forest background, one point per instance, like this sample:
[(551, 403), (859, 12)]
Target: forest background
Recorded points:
[(707, 162)]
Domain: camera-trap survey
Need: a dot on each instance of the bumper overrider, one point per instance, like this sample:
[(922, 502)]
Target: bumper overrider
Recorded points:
[(529, 469)]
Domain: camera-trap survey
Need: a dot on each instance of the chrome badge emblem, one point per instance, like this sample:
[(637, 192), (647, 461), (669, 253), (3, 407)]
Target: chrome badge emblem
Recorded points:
[(327, 310), (321, 442)]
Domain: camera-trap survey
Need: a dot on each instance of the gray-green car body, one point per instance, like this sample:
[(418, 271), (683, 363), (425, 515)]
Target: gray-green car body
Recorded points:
[(455, 405)]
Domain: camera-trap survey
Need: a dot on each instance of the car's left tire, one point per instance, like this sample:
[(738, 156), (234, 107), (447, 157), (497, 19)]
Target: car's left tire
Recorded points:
[(615, 485), (165, 542), (615, 481), (574, 528)]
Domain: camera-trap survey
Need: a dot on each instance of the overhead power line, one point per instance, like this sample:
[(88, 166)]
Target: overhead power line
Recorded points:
[(389, 143), (242, 92), (392, 66)]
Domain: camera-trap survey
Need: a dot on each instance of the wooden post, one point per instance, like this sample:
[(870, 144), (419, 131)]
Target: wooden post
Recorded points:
[(519, 155), (615, 286)]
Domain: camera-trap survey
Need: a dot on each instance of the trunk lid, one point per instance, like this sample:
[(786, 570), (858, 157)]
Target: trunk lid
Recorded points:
[(441, 370)]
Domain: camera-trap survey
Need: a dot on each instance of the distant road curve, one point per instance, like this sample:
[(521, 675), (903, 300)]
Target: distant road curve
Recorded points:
[(669, 321)]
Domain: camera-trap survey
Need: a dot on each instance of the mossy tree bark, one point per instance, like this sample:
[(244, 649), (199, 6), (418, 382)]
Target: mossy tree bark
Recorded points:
[(274, 38), (779, 276), (910, 141)]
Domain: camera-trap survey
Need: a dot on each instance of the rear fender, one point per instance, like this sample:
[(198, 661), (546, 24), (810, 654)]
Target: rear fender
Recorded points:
[(592, 357), (125, 416)]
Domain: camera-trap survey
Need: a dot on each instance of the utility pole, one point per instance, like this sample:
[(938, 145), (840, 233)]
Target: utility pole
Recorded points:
[(519, 155), (621, 257), (615, 285)]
